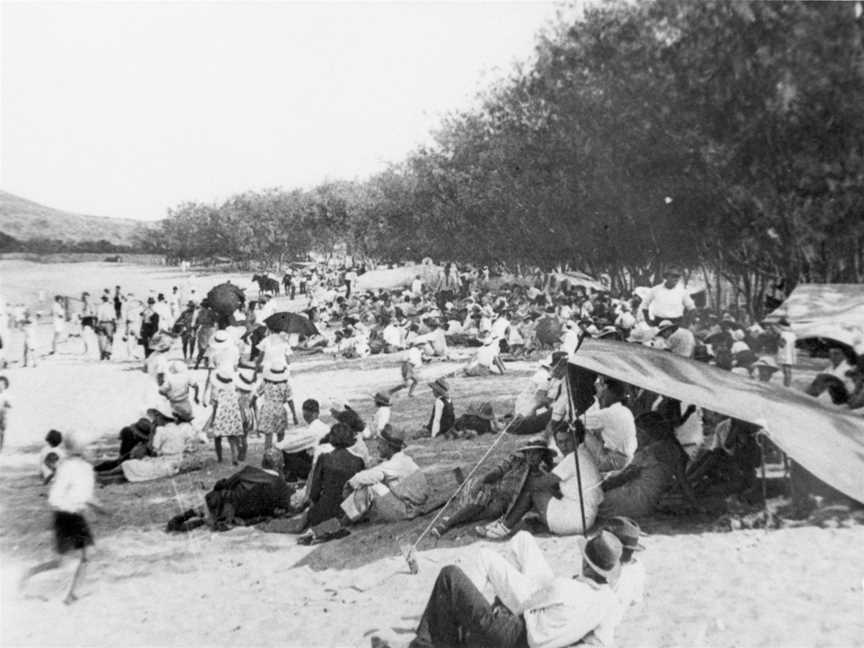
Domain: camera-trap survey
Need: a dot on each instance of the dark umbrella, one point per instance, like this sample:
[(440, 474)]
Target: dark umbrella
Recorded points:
[(549, 330), (224, 299), (291, 323)]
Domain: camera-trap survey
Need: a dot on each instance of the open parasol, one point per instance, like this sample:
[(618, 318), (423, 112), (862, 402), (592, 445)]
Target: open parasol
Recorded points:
[(291, 323), (224, 299)]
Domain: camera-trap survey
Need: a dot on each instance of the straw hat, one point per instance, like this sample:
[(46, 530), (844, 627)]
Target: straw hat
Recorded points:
[(276, 372), (225, 374), (246, 379), (220, 339), (536, 444)]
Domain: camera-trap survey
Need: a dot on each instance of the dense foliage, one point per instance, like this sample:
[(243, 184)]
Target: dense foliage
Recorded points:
[(725, 136)]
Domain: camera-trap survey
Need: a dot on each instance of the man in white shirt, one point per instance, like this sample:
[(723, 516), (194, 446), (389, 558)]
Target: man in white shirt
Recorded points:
[(106, 318), (58, 320), (547, 611), (787, 354), (668, 300), (393, 336), (166, 321), (417, 286), (610, 430)]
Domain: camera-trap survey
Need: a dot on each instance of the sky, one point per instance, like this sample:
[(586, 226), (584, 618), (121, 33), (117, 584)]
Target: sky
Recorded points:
[(128, 108)]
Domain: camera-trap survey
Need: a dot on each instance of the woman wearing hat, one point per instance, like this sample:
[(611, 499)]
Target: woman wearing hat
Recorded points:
[(226, 419), (273, 395)]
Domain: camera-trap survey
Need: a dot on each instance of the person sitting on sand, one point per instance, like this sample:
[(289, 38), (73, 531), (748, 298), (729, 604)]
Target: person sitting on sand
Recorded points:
[(536, 609), (134, 441), (169, 452), (51, 455), (478, 419), (394, 490), (488, 497), (487, 359), (176, 387), (555, 495), (629, 588), (332, 472), (658, 465), (610, 428), (443, 418)]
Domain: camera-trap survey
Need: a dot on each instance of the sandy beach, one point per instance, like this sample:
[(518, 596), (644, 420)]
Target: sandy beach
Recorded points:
[(788, 587)]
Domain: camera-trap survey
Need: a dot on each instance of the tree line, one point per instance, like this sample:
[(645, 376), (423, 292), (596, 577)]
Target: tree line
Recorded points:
[(727, 137)]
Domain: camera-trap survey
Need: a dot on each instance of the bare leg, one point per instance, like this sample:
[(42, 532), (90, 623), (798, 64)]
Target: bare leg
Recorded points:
[(76, 579), (293, 411), (233, 445), (413, 386), (54, 563)]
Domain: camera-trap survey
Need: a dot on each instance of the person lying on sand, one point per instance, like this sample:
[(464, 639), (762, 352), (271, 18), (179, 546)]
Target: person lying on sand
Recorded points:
[(534, 607), (555, 495), (488, 497)]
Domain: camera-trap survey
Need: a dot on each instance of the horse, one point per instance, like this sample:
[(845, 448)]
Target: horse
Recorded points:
[(266, 284)]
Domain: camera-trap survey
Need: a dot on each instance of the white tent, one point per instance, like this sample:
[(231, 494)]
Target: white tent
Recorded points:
[(832, 311)]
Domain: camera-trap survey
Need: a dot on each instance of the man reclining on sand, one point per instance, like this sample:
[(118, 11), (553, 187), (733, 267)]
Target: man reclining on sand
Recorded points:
[(530, 605)]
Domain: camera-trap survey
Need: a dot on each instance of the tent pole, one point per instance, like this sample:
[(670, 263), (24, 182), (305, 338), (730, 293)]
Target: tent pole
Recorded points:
[(572, 426), (764, 479)]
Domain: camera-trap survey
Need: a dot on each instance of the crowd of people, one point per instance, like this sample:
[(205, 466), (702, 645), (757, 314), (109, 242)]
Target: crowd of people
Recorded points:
[(628, 452)]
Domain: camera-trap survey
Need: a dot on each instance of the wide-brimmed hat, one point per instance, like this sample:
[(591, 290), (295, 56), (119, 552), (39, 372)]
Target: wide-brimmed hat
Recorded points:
[(603, 555), (381, 399), (225, 373), (246, 379), (627, 532), (535, 444), (276, 373), (487, 412), (394, 436), (220, 338), (766, 362), (440, 386)]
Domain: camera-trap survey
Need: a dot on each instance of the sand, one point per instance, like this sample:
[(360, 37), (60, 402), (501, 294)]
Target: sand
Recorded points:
[(790, 587)]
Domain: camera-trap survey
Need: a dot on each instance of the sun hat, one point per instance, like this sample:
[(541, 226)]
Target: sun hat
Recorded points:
[(220, 338), (381, 399), (603, 555), (395, 437), (487, 412), (626, 530), (276, 372), (246, 379), (536, 444), (440, 386)]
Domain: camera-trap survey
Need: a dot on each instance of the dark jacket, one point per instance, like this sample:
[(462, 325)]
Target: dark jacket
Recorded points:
[(332, 471)]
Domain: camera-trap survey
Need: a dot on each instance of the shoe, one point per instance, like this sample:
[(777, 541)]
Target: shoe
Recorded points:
[(493, 531)]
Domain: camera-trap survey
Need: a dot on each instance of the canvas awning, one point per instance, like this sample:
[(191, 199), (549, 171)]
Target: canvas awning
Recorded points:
[(833, 311), (827, 442)]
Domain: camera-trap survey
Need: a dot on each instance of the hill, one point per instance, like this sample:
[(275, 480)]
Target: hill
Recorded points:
[(25, 220)]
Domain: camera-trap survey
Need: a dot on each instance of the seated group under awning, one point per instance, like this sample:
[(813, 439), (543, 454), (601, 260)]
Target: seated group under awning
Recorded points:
[(828, 443)]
